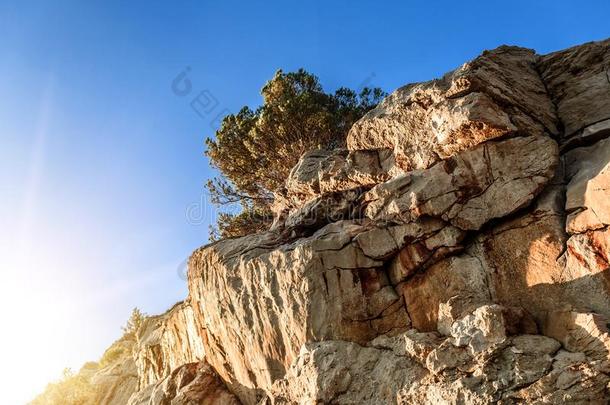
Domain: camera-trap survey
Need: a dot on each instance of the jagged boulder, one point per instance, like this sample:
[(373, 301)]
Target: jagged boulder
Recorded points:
[(469, 189), (191, 383), (495, 95), (426, 369), (344, 373), (322, 171)]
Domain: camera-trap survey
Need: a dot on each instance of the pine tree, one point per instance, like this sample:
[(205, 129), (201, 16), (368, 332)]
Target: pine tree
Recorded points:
[(254, 150), (134, 322)]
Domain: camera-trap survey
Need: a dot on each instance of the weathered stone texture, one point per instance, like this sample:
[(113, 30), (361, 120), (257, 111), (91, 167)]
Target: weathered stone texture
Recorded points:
[(318, 288), (457, 252), (191, 383), (497, 94), (470, 188), (166, 342), (578, 81)]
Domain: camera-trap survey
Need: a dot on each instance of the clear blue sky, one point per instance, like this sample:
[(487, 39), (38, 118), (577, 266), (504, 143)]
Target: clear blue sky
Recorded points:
[(99, 159)]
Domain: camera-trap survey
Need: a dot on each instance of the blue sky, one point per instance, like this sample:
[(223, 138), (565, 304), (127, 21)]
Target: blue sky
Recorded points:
[(99, 159)]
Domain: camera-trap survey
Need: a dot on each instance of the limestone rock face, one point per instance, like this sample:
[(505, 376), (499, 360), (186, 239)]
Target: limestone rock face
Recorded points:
[(582, 332), (425, 369), (163, 363), (588, 172), (344, 373), (432, 274), (191, 383), (470, 188), (336, 280), (449, 289), (166, 342), (578, 80), (323, 287), (497, 94), (458, 252), (320, 171)]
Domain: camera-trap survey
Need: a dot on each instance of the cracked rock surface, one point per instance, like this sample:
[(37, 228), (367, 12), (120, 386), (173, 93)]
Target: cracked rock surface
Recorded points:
[(470, 267), (457, 252), (498, 94)]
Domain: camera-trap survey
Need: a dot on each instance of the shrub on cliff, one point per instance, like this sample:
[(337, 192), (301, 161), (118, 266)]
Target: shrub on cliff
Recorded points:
[(255, 149), (71, 389), (111, 355)]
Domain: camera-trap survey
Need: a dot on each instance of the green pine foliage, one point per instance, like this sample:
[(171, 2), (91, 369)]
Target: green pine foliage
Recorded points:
[(254, 150)]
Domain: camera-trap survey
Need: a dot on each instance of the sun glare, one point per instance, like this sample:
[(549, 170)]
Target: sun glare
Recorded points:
[(34, 342)]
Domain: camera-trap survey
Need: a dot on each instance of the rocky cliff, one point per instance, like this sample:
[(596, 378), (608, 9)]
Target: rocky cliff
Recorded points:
[(456, 252)]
